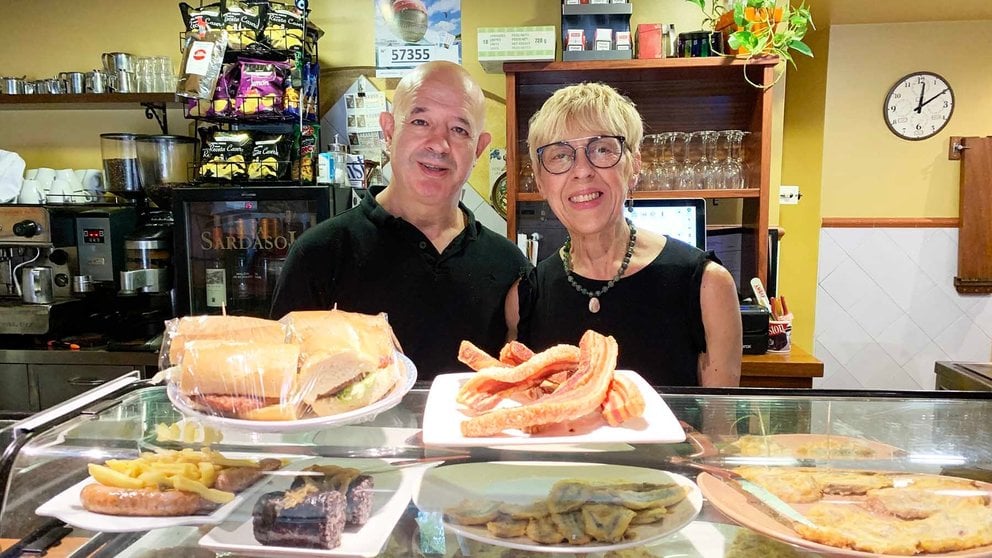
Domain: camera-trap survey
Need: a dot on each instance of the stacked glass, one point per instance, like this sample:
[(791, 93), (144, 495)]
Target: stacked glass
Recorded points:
[(701, 160)]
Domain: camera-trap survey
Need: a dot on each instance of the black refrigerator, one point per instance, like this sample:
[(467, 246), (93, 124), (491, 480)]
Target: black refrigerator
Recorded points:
[(231, 243)]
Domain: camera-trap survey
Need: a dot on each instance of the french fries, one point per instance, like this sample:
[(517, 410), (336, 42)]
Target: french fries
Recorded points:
[(187, 432), (187, 470)]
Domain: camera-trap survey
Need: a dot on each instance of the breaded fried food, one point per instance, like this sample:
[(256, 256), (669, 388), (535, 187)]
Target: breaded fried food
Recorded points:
[(791, 485), (917, 503), (568, 495), (473, 512), (650, 515), (544, 531), (506, 527), (836, 448), (570, 525), (538, 508), (658, 496), (851, 526), (606, 522), (850, 482), (951, 484), (958, 528), (757, 446)]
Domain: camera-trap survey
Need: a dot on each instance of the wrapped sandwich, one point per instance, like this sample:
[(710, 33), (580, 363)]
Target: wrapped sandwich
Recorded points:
[(347, 360), (240, 379), (228, 328)]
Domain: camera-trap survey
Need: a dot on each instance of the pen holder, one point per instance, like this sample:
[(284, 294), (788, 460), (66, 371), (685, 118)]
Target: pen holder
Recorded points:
[(779, 336)]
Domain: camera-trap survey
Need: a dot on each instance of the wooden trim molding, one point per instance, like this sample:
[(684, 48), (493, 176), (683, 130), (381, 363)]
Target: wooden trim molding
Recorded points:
[(890, 222)]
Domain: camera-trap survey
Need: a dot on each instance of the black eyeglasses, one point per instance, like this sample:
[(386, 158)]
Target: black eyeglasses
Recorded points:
[(603, 152)]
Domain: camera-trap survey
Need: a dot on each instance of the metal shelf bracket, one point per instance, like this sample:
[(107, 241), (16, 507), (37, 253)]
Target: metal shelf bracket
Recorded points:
[(152, 110)]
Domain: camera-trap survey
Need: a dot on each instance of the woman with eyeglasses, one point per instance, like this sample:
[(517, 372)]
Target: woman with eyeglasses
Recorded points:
[(672, 309)]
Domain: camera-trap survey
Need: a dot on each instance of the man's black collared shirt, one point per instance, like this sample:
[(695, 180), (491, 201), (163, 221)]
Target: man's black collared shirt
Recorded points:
[(366, 260)]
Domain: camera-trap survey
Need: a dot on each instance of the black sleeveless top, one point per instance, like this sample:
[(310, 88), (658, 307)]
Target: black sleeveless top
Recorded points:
[(654, 314)]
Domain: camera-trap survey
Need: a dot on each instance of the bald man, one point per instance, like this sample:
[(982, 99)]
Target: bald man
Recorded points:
[(414, 251)]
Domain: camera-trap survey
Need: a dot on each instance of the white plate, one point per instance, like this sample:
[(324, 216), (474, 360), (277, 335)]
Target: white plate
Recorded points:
[(67, 507), (443, 418), (523, 482), (364, 414), (391, 496)]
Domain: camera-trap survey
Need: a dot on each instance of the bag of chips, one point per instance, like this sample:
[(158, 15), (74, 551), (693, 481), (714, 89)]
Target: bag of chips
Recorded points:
[(305, 153), (204, 18), (243, 22), (285, 27), (261, 87), (270, 157), (225, 154)]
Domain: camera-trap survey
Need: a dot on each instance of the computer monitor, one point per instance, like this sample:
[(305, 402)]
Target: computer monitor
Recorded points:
[(681, 218)]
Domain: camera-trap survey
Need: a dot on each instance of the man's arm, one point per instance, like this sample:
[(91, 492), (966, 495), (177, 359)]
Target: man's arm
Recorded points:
[(720, 365), (511, 310)]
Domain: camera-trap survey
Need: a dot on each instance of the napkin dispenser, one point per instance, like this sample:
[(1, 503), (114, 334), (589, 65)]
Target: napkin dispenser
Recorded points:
[(754, 323)]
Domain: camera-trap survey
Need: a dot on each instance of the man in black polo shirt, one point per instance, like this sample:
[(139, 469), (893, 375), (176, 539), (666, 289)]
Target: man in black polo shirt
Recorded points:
[(414, 251)]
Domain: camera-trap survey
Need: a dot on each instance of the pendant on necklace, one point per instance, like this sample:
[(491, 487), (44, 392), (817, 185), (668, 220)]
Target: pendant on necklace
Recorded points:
[(594, 305)]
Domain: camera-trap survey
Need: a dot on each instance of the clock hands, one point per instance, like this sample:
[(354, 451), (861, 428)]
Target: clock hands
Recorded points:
[(919, 104), (925, 103)]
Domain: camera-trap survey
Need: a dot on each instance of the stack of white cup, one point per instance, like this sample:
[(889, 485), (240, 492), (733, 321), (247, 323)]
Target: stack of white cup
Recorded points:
[(44, 185)]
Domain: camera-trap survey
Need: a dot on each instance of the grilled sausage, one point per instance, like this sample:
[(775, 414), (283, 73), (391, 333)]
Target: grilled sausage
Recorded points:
[(98, 498), (236, 479)]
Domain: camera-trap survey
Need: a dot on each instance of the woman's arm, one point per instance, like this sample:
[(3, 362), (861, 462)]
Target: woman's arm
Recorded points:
[(720, 365)]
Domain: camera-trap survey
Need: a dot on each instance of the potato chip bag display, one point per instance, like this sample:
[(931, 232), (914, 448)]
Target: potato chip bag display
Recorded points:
[(225, 154), (203, 59), (243, 22), (261, 88), (270, 157), (222, 104)]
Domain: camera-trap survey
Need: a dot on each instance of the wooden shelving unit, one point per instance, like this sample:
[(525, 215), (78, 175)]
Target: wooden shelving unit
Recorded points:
[(672, 94)]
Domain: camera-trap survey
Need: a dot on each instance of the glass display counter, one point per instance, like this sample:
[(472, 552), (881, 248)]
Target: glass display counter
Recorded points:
[(906, 435)]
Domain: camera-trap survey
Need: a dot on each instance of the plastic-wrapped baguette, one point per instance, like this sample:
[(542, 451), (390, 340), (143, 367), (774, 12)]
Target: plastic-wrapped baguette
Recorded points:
[(230, 328)]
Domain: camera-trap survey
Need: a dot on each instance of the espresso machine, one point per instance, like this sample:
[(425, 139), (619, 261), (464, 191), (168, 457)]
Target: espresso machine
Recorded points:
[(38, 259)]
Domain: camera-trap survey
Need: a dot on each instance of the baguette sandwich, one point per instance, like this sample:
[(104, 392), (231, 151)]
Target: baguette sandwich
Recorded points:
[(347, 360), (241, 328), (239, 379)]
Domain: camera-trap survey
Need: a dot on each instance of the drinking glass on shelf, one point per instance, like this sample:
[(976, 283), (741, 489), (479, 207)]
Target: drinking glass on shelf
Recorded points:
[(144, 75), (164, 79), (732, 170), (682, 150), (668, 168), (649, 172)]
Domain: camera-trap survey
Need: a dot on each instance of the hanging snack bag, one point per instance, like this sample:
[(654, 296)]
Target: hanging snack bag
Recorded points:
[(270, 157), (204, 18), (285, 27), (305, 153), (225, 154), (203, 58), (243, 21), (261, 89)]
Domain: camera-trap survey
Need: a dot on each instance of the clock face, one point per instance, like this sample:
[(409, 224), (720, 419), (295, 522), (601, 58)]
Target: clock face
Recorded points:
[(918, 106)]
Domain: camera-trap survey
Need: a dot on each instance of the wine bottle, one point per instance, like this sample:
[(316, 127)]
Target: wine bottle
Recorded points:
[(215, 271)]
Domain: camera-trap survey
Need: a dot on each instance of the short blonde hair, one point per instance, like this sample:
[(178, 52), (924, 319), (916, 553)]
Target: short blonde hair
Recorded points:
[(590, 107)]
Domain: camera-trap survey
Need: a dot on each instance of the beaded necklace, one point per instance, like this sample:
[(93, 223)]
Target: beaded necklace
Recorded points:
[(594, 305)]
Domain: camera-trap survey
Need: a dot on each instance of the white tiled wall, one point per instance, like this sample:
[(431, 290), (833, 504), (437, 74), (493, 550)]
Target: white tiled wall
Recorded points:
[(886, 308)]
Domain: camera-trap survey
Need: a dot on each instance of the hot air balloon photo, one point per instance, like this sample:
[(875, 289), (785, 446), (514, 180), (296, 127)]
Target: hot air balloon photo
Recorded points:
[(411, 32)]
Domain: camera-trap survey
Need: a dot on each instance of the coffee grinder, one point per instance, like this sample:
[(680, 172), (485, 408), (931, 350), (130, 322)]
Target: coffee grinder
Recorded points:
[(146, 284)]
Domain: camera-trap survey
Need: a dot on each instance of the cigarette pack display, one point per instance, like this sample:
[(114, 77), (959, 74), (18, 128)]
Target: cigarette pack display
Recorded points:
[(623, 40), (576, 39), (604, 39)]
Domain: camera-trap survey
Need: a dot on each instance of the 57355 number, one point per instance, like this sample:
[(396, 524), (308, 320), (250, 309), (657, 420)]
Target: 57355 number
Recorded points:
[(410, 55)]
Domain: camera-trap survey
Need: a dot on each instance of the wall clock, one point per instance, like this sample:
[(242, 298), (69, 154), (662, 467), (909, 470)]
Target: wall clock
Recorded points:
[(918, 106)]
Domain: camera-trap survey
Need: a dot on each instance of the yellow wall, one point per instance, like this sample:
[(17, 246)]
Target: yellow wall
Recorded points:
[(75, 39), (867, 170)]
